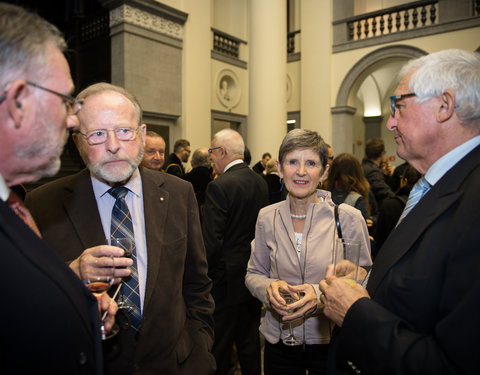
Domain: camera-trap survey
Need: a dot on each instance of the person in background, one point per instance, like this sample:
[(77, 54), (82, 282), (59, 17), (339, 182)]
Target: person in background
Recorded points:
[(200, 176), (419, 311), (247, 156), (347, 183), (259, 167), (294, 241), (167, 326), (374, 155), (392, 207), (50, 320), (274, 182), (331, 155), (180, 154), (154, 156), (396, 178), (232, 203)]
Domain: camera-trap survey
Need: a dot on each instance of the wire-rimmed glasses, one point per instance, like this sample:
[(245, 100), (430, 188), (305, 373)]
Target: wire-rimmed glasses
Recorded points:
[(99, 136)]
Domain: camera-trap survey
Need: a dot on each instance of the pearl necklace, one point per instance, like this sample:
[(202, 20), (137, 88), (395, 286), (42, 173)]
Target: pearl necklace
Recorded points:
[(298, 216)]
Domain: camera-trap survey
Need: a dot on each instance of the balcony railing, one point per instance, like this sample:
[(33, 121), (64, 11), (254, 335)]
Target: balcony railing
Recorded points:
[(228, 48), (418, 18), (293, 43), (387, 21), (225, 44)]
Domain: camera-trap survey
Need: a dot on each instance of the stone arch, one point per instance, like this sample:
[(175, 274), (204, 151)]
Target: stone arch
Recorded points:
[(343, 112)]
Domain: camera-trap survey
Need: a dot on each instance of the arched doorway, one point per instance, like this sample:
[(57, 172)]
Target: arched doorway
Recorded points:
[(361, 108)]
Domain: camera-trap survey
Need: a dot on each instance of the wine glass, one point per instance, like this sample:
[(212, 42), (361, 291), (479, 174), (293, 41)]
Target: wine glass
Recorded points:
[(99, 284), (128, 245), (350, 250), (291, 339)]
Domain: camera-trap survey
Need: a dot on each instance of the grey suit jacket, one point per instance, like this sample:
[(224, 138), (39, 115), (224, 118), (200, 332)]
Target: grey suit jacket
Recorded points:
[(425, 287), (177, 326)]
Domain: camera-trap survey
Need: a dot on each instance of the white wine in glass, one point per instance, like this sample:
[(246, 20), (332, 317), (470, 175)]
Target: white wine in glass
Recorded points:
[(291, 339)]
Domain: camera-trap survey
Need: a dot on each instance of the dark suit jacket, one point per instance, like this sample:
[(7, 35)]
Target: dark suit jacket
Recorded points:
[(425, 285), (231, 208), (49, 319), (377, 181), (173, 165), (199, 177), (177, 326)]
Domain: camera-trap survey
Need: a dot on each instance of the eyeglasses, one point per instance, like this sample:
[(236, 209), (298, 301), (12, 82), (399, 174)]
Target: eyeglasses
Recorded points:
[(99, 136), (394, 98), (72, 104), (210, 150)]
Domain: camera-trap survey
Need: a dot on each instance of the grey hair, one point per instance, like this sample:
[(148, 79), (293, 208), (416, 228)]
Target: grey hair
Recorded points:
[(24, 37), (452, 69), (303, 139), (231, 140), (200, 158), (97, 88)]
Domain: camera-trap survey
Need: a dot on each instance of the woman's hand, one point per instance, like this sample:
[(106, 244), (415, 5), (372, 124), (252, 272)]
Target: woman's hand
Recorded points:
[(303, 305)]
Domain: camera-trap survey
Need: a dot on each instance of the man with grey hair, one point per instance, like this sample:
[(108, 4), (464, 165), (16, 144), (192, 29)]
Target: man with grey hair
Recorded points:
[(50, 321), (166, 326), (232, 203), (419, 311), (200, 176)]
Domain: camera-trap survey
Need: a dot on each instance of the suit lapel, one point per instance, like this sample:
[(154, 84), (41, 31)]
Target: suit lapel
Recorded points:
[(439, 199), (81, 207), (40, 254), (156, 202)]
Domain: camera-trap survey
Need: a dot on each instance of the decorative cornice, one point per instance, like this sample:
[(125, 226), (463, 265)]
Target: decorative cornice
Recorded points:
[(154, 7), (128, 14)]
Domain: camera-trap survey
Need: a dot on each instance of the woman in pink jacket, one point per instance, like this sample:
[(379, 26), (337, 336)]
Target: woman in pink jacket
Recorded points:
[(293, 245)]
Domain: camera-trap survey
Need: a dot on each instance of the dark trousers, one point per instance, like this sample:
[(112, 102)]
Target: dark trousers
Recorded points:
[(238, 324), (280, 359)]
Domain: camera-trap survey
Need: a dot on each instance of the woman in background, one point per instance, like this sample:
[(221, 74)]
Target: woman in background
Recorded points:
[(348, 184)]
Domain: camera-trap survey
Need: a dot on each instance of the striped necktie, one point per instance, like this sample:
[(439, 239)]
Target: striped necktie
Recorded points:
[(418, 191), (19, 208), (122, 227)]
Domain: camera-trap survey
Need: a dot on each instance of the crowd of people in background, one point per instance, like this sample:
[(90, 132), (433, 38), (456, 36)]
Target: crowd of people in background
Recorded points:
[(223, 252)]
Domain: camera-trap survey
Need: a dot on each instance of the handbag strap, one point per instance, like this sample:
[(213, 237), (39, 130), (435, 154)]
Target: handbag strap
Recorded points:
[(337, 222)]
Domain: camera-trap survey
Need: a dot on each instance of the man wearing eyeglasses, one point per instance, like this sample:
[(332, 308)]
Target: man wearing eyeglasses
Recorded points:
[(232, 203), (169, 330), (419, 311), (50, 321), (181, 153)]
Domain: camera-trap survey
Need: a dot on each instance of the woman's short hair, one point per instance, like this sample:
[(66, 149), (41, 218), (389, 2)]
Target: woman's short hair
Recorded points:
[(303, 139)]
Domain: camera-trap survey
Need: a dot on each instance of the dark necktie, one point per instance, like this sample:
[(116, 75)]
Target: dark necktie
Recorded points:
[(19, 208), (122, 227)]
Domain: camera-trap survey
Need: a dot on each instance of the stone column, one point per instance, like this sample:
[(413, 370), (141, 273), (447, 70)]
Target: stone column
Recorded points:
[(267, 112)]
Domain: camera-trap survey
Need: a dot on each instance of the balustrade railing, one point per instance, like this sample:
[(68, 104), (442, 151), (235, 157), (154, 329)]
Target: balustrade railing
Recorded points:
[(95, 27), (391, 20), (293, 41), (225, 44)]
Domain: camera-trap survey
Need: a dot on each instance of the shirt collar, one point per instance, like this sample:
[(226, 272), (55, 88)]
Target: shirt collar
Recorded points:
[(4, 189), (134, 185), (232, 163), (447, 161)]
